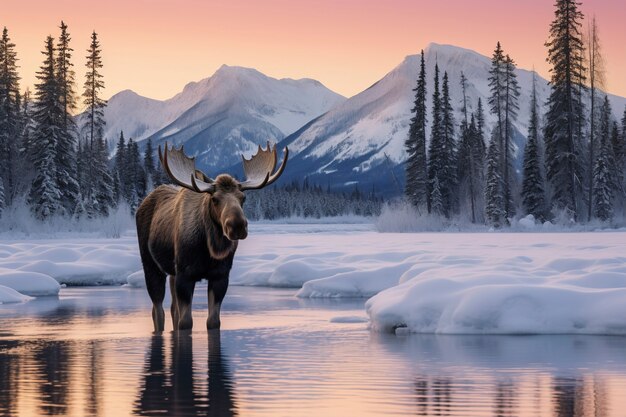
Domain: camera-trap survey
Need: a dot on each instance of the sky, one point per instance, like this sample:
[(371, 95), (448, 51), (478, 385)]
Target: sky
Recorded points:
[(155, 47)]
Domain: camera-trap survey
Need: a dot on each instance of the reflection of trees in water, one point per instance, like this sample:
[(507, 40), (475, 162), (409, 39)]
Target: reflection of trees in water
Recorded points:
[(172, 389), (9, 374), (583, 396), (53, 373), (94, 379)]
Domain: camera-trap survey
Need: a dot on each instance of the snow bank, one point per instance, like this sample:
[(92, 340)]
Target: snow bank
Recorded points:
[(73, 261), (29, 283), (136, 279), (525, 284), (9, 295)]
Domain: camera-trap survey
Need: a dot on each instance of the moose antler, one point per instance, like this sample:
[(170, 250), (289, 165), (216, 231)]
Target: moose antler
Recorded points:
[(182, 170), (258, 169)]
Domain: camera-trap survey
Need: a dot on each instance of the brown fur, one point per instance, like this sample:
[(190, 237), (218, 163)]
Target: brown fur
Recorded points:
[(189, 236)]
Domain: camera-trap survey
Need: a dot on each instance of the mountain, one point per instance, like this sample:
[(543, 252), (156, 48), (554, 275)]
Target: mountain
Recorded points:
[(361, 140), (224, 115)]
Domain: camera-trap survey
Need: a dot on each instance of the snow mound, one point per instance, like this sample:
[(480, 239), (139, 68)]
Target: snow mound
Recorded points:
[(9, 295), (77, 261), (517, 295), (136, 280), (29, 283)]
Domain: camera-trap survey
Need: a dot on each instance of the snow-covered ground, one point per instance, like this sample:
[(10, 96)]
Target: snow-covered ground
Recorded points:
[(419, 282)]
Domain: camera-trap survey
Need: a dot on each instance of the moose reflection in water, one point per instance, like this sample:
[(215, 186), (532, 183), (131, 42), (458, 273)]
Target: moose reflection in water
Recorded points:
[(170, 383)]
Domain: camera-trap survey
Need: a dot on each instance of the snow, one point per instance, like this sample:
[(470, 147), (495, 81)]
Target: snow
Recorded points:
[(72, 261), (501, 282), (9, 295), (29, 283)]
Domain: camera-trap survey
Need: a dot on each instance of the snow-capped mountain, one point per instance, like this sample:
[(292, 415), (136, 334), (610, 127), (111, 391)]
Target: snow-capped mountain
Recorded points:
[(224, 115), (361, 141)]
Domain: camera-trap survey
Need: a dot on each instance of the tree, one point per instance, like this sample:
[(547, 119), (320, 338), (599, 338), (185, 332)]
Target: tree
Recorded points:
[(448, 174), (496, 87), (435, 163), (103, 190), (416, 165), (596, 80), (45, 195), (470, 164), (494, 202), (533, 190), (67, 177), (148, 165), (604, 182), (93, 126), (9, 114), (562, 139), (2, 201), (511, 107), (437, 199)]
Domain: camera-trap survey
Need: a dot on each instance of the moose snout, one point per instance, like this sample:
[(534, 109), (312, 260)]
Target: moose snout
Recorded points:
[(236, 228)]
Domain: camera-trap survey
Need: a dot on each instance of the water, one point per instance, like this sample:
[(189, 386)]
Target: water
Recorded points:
[(91, 353)]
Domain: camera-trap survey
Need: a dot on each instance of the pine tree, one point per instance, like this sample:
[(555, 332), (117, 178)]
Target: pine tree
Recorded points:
[(9, 115), (435, 151), (533, 191), (416, 165), (496, 87), (448, 174), (511, 107), (148, 165), (604, 183), (470, 165), (103, 192), (93, 124), (563, 142), (596, 80), (494, 202), (442, 151), (2, 201), (437, 198), (45, 195), (67, 176)]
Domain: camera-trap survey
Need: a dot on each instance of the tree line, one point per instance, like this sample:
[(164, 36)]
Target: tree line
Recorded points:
[(574, 160)]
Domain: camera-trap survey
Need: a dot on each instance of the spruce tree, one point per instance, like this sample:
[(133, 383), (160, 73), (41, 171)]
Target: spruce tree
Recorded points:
[(9, 115), (2, 201), (470, 165), (148, 165), (67, 176), (604, 183), (45, 195), (416, 164), (497, 94), (103, 192), (93, 122), (448, 175), (511, 107), (435, 150), (561, 132), (533, 190), (437, 199), (494, 202)]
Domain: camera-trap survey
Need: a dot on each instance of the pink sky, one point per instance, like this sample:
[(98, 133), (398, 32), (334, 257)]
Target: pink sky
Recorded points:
[(156, 46)]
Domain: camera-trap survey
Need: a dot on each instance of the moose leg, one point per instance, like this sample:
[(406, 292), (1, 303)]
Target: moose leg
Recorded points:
[(216, 293), (184, 295), (174, 306), (155, 283)]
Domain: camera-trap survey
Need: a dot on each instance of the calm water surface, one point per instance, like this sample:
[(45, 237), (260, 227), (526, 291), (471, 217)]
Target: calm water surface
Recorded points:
[(91, 353)]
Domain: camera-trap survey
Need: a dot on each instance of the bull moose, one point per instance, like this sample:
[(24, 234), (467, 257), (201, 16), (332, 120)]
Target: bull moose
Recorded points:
[(190, 232)]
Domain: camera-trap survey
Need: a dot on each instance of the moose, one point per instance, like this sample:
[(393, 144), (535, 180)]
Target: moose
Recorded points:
[(191, 231)]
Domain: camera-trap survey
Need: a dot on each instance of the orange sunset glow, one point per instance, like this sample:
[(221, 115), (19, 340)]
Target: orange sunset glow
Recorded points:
[(155, 47)]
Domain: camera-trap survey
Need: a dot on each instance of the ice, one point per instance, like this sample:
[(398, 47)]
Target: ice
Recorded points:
[(9, 295), (29, 283)]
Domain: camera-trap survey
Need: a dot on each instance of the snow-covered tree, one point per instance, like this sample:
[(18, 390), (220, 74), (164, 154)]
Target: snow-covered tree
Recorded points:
[(45, 195), (437, 199), (561, 135), (533, 188), (435, 150), (67, 176), (470, 165), (103, 187), (416, 164), (9, 115), (604, 181), (511, 107), (494, 201)]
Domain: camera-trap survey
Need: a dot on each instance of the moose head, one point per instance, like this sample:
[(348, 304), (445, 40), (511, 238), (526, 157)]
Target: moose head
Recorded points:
[(226, 194)]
